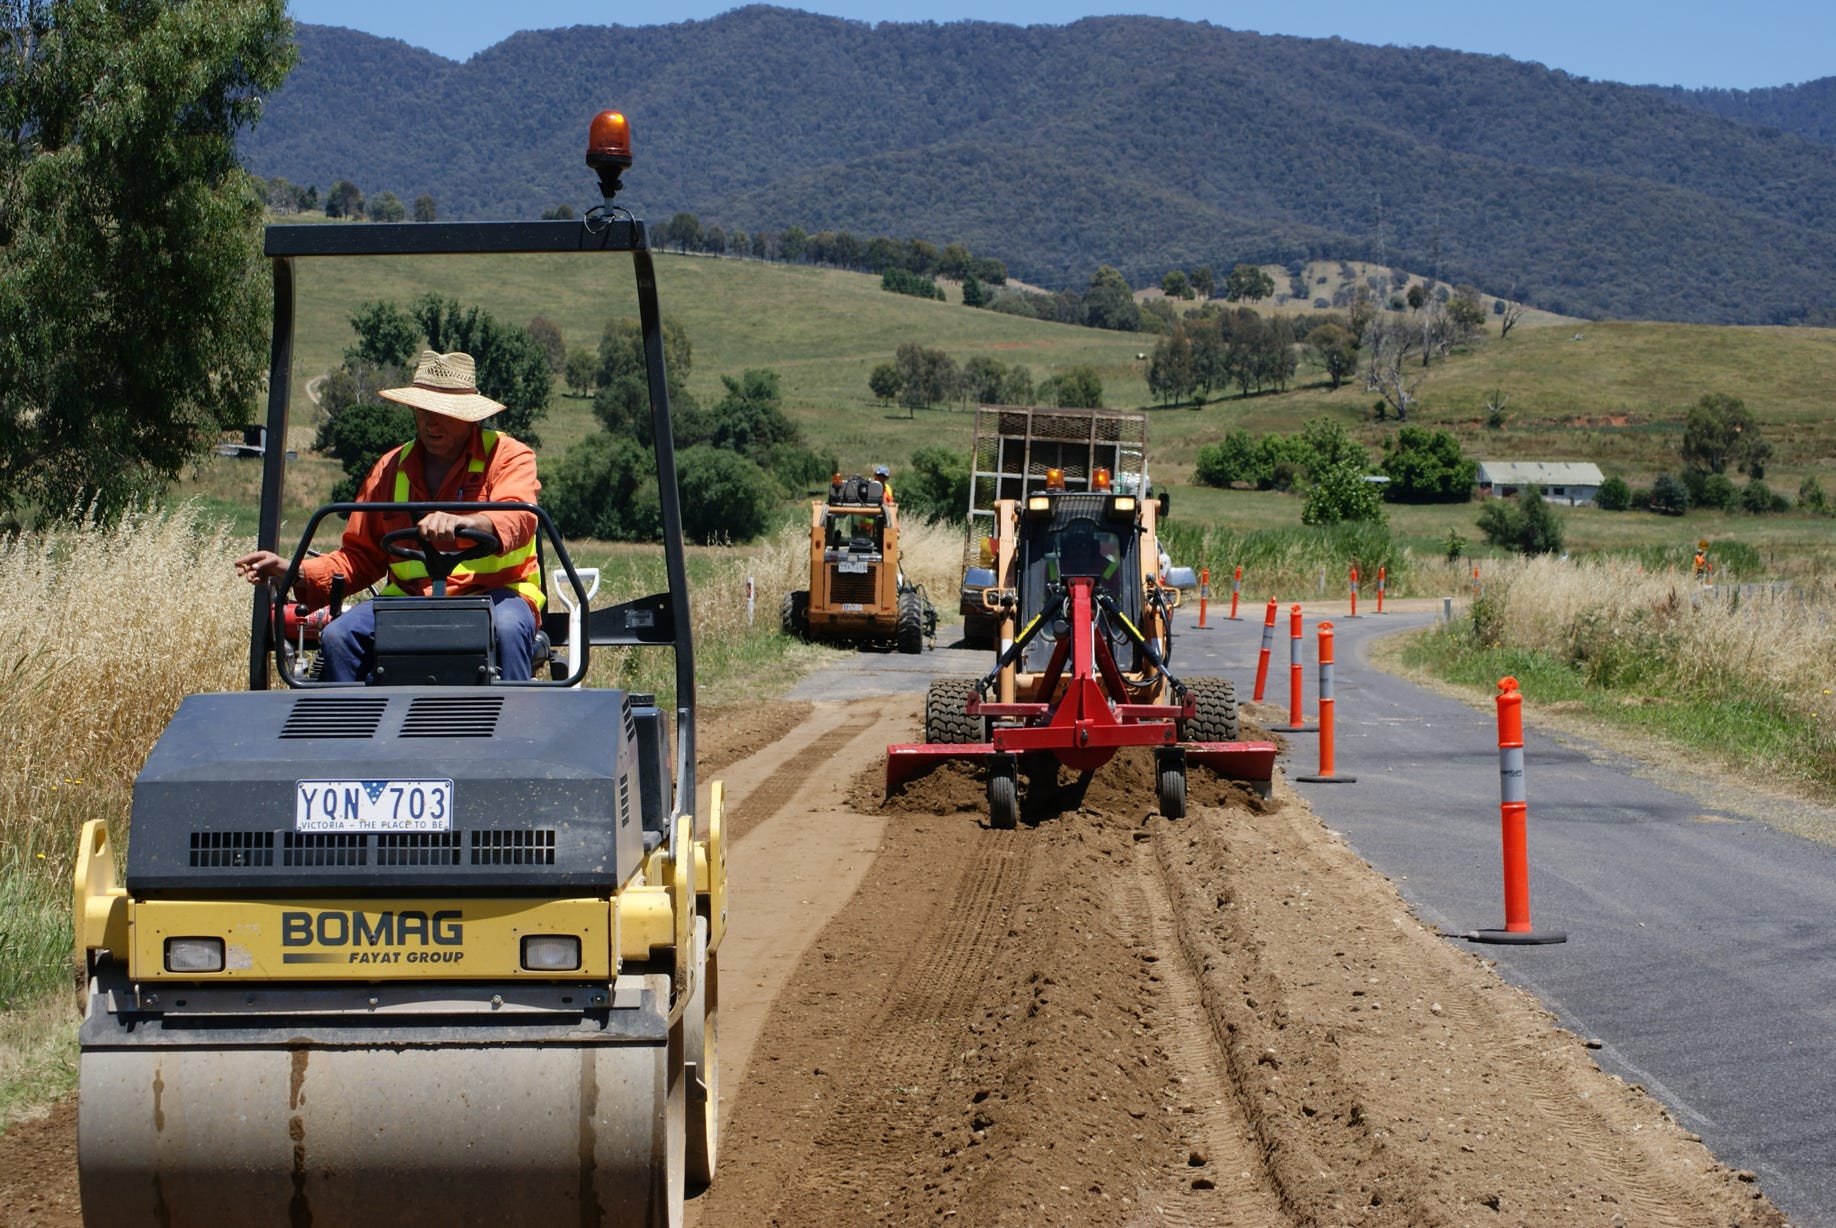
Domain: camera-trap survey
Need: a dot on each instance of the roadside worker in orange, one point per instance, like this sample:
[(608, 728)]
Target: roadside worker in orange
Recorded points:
[(451, 459)]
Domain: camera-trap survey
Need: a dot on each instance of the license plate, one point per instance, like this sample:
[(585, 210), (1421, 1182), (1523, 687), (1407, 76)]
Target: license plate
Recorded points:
[(853, 567), (373, 805)]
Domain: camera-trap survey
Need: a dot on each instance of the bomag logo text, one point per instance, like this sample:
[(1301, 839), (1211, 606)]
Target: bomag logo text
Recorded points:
[(388, 937)]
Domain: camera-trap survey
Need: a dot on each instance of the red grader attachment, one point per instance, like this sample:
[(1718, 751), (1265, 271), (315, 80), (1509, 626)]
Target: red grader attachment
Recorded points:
[(1083, 678)]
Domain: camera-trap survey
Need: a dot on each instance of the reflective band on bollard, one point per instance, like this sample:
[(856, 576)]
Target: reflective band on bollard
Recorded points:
[(1512, 811), (1296, 722), (1326, 774), (1268, 646)]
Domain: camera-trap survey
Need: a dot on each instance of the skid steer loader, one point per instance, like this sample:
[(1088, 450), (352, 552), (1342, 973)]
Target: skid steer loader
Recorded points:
[(858, 590), (435, 948)]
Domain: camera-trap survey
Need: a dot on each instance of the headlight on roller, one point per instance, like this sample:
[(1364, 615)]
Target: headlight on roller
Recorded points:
[(551, 953), (194, 955)]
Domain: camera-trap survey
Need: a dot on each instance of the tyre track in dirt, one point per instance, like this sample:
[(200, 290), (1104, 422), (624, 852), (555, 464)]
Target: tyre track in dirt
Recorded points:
[(796, 853), (1221, 1152), (1394, 1079)]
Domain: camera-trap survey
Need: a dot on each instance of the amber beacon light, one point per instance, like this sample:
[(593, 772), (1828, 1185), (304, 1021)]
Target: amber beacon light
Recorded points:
[(609, 150)]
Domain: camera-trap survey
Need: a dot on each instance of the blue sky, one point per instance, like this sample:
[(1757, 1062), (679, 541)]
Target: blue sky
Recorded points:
[(1640, 42)]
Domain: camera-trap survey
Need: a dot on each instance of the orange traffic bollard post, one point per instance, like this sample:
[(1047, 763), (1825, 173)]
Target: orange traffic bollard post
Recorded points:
[(1296, 722), (1380, 572), (1475, 579), (1268, 646), (1326, 775), (1354, 590), (1236, 586), (1204, 596), (1512, 810)]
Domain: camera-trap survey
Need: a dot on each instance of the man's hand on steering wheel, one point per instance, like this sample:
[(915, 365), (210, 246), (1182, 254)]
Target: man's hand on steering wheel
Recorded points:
[(441, 529)]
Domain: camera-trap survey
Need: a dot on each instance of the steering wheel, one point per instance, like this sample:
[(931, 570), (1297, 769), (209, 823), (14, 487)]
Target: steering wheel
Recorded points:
[(440, 563)]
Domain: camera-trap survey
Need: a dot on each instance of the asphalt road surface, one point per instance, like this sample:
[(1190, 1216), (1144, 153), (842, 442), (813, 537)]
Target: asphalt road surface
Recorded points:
[(1701, 932)]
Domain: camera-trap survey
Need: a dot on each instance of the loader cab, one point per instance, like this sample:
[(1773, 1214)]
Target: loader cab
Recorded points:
[(854, 532), (1064, 535)]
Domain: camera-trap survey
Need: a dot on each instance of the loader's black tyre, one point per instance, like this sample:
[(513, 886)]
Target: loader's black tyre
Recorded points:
[(981, 631), (1170, 790), (1003, 798), (908, 629), (794, 614), (1216, 718), (944, 717)]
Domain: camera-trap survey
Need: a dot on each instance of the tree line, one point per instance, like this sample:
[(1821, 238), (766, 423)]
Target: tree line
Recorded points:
[(918, 378)]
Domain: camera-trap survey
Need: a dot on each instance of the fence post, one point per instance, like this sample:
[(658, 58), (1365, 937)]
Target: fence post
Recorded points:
[(1326, 774), (1512, 810)]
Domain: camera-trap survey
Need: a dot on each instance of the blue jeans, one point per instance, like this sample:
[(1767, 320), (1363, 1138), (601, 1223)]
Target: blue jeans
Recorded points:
[(348, 642)]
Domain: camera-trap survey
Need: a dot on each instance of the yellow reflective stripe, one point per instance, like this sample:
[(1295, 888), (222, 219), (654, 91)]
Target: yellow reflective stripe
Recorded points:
[(411, 569), (496, 562)]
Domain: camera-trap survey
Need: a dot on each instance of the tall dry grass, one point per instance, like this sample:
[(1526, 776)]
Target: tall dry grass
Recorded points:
[(1777, 641), (1741, 673), (102, 632)]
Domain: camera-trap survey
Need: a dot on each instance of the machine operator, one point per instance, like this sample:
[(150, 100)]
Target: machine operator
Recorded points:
[(451, 459)]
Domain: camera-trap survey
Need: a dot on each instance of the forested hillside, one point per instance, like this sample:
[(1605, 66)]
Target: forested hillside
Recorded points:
[(1807, 110), (1141, 143)]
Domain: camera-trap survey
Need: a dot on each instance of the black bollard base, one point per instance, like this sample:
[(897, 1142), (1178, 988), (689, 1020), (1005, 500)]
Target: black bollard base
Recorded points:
[(1517, 938), (1336, 778)]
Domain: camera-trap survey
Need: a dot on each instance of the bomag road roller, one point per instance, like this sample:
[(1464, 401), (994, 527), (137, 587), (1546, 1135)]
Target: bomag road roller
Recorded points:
[(434, 948), (1084, 669), (858, 590)]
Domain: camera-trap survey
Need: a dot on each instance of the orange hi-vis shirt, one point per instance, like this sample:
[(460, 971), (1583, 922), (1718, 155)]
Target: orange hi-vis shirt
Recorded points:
[(494, 469)]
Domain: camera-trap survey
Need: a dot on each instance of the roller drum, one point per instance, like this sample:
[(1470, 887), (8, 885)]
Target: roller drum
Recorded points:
[(442, 1135)]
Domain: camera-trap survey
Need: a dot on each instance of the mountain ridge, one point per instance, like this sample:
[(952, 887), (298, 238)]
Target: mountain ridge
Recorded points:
[(1142, 143)]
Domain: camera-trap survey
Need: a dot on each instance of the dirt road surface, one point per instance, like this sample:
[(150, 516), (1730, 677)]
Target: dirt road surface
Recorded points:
[(1104, 1018)]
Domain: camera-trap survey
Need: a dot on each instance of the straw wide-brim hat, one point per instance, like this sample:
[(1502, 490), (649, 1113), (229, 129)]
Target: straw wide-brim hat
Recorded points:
[(445, 384)]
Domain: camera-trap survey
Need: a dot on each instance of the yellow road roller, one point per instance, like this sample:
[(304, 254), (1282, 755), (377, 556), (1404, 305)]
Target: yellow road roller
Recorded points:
[(432, 947)]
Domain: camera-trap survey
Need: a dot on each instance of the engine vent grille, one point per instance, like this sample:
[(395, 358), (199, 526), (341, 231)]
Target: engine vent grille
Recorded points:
[(514, 848), (417, 848), (326, 716), (458, 716), (852, 588), (314, 848), (630, 718), (624, 800), (231, 849)]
